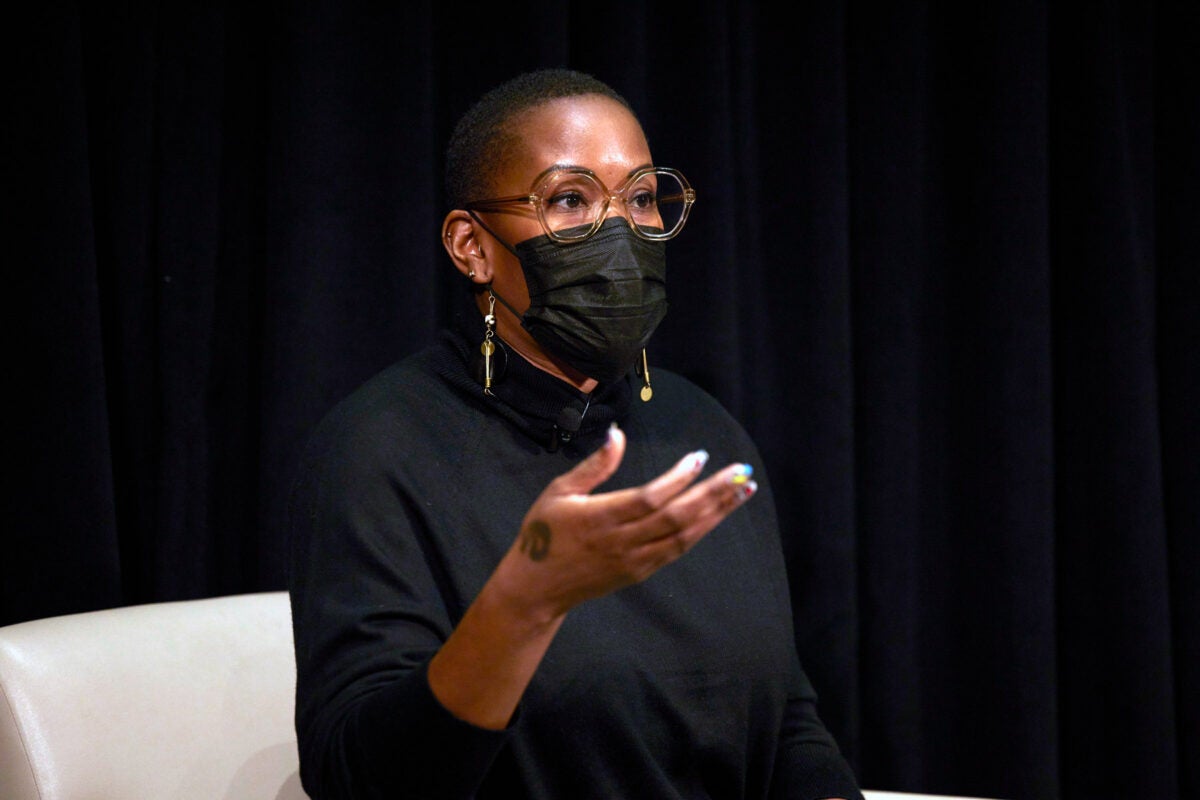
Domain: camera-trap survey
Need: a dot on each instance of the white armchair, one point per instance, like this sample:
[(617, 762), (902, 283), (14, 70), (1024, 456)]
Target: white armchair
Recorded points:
[(188, 700)]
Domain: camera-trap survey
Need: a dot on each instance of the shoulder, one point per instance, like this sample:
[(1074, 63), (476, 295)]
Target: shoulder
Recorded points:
[(404, 407), (374, 401), (679, 404)]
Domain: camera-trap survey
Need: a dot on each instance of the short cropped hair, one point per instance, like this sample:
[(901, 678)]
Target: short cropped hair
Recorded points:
[(482, 139)]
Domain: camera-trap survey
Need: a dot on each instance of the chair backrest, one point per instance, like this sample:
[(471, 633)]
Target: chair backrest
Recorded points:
[(181, 700)]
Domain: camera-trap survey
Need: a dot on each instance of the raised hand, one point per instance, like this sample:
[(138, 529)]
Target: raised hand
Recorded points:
[(574, 546)]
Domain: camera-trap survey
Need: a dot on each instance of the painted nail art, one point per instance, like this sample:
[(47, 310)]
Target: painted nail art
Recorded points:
[(697, 460), (747, 490), (612, 434), (742, 473)]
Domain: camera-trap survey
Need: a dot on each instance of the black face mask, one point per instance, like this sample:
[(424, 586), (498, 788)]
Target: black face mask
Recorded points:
[(595, 304)]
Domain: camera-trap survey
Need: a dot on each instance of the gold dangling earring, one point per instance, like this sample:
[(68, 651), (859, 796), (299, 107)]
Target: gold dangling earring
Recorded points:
[(647, 392), (488, 347)]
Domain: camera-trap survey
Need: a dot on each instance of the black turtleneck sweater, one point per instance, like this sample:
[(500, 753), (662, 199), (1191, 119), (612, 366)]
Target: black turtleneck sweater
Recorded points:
[(411, 490)]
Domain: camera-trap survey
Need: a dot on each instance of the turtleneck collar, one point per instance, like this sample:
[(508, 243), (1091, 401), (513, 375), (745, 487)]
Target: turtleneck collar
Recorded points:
[(537, 403)]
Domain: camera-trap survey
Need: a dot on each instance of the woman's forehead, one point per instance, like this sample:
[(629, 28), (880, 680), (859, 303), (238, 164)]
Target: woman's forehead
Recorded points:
[(589, 131)]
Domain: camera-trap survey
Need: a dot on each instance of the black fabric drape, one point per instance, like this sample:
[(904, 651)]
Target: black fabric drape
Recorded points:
[(944, 266)]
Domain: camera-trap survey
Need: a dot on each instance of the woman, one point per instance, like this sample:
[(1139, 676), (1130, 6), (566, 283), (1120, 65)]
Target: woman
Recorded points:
[(510, 577)]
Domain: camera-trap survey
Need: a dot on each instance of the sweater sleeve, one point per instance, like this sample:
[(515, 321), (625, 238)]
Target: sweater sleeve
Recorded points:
[(368, 613), (808, 764)]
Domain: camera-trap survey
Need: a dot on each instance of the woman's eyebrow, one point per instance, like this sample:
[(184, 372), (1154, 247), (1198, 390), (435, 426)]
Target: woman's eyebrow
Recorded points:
[(555, 167)]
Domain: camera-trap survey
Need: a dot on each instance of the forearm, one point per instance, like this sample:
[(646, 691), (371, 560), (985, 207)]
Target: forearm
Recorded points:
[(483, 669), (434, 730)]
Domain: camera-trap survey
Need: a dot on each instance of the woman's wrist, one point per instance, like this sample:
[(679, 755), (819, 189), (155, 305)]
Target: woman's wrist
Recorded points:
[(510, 593)]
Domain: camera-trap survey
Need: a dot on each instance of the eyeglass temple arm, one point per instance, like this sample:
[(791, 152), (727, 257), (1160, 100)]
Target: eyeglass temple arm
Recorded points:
[(496, 201), (687, 196)]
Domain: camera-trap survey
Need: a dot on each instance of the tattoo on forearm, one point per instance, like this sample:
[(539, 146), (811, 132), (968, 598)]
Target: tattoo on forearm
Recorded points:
[(535, 540)]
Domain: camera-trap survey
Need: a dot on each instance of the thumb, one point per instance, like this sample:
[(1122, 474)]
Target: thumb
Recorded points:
[(596, 468)]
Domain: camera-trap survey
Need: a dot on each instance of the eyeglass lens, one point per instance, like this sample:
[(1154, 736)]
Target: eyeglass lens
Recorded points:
[(653, 201)]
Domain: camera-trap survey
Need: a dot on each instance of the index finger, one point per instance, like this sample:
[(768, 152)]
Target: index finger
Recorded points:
[(636, 502)]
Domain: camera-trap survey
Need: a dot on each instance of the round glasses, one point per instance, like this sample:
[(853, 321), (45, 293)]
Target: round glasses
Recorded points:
[(572, 202)]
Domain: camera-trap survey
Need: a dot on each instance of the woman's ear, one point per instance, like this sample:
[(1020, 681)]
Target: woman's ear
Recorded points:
[(461, 236)]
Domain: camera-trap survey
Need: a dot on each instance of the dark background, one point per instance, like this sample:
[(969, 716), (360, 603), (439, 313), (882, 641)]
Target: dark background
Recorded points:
[(943, 265)]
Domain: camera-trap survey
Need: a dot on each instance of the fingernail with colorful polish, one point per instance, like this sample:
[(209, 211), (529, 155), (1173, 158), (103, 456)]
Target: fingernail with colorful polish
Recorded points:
[(747, 490), (697, 460), (742, 473)]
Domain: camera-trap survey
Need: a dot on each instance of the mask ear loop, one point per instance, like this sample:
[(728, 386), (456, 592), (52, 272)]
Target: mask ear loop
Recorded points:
[(644, 371)]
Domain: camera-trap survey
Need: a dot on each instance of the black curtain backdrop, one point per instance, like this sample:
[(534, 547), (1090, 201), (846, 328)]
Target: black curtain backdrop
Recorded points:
[(944, 265)]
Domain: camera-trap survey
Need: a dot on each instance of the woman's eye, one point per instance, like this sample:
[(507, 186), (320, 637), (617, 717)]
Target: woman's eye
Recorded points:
[(568, 201), (642, 199)]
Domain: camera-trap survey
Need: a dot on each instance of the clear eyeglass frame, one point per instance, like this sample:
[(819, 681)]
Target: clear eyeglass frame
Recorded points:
[(537, 193)]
